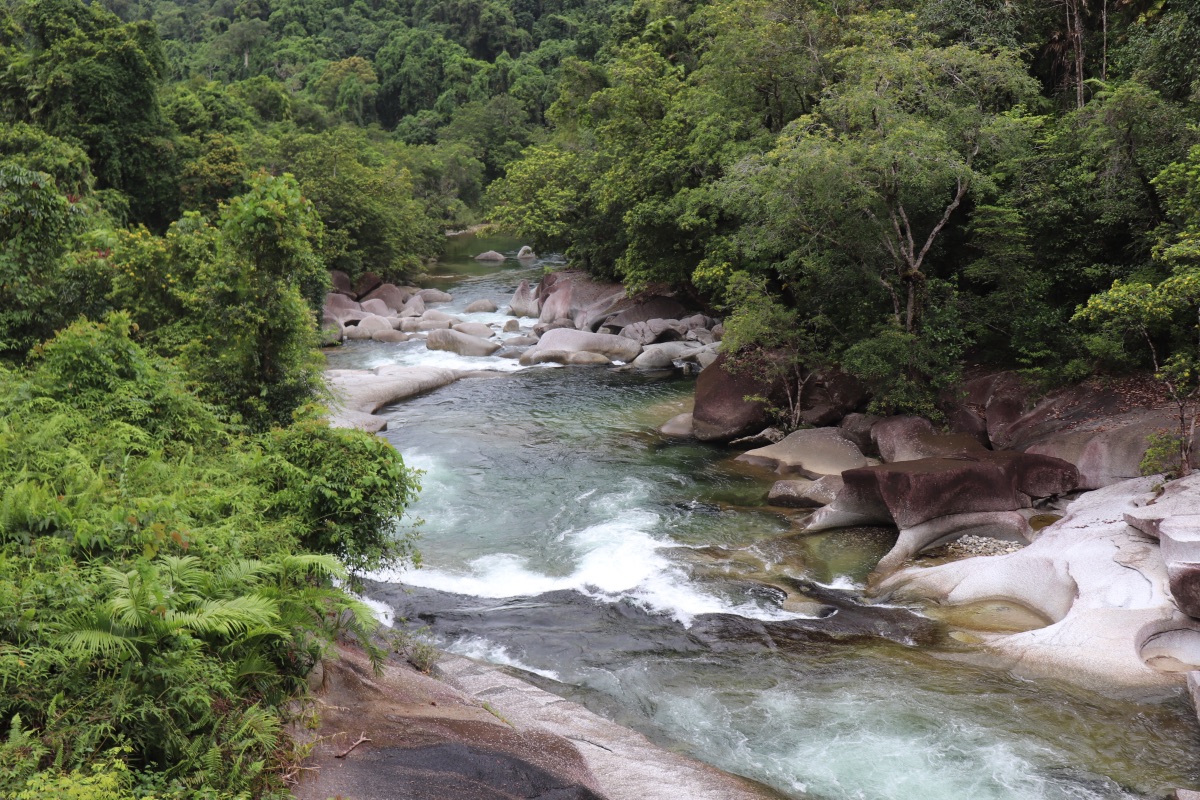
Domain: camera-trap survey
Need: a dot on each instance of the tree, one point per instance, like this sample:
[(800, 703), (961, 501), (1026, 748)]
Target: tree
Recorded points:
[(253, 307), (364, 196), (89, 78), (36, 227)]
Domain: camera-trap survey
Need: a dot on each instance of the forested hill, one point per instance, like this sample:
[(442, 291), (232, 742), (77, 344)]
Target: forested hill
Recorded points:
[(906, 187)]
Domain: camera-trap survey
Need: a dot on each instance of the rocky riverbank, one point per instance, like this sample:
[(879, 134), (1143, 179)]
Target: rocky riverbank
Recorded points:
[(1100, 602), (470, 731)]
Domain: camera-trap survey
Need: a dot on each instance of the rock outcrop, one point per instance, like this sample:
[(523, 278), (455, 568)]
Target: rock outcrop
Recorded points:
[(1173, 518), (722, 411), (572, 295), (359, 393), (908, 438), (392, 296), (1100, 584)]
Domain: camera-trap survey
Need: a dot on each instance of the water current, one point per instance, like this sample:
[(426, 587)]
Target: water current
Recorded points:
[(563, 538)]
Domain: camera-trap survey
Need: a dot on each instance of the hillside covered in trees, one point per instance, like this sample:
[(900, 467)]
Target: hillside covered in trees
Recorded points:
[(897, 189)]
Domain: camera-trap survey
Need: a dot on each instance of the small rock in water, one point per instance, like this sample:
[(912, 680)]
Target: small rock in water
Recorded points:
[(511, 326)]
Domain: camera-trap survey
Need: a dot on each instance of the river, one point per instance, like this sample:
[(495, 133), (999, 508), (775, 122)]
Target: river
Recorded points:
[(564, 538)]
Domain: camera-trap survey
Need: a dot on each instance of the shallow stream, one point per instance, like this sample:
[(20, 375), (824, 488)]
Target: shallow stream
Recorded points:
[(644, 577)]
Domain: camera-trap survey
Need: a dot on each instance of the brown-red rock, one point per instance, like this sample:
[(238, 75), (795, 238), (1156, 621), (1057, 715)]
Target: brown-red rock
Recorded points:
[(722, 411), (367, 283), (909, 493), (393, 296), (908, 438), (572, 294), (341, 283), (644, 309)]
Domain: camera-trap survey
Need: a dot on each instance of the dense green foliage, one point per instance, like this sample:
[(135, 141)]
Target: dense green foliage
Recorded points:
[(164, 576), (920, 183)]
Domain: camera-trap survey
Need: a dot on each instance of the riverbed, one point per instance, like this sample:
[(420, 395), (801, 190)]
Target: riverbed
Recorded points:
[(564, 538)]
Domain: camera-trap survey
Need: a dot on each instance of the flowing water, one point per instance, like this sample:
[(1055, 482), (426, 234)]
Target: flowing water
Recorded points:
[(643, 577)]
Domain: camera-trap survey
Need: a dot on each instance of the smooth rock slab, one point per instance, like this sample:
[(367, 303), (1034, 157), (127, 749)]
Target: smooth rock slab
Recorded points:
[(359, 393), (813, 453), (613, 347), (1098, 580)]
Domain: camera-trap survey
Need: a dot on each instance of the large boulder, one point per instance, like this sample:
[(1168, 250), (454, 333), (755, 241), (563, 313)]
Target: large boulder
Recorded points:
[(393, 296), (376, 307), (461, 343), (490, 255), (474, 329), (857, 428), (615, 348), (439, 316), (722, 411), (392, 337), (341, 283), (908, 493), (664, 356), (1107, 449), (431, 296), (339, 306), (480, 306), (654, 330), (526, 253), (909, 438), (580, 358), (366, 284), (415, 307), (645, 309), (1098, 427), (523, 303), (573, 295), (367, 326), (812, 452)]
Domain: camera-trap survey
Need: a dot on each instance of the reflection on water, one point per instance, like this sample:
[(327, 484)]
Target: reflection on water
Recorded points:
[(647, 579)]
